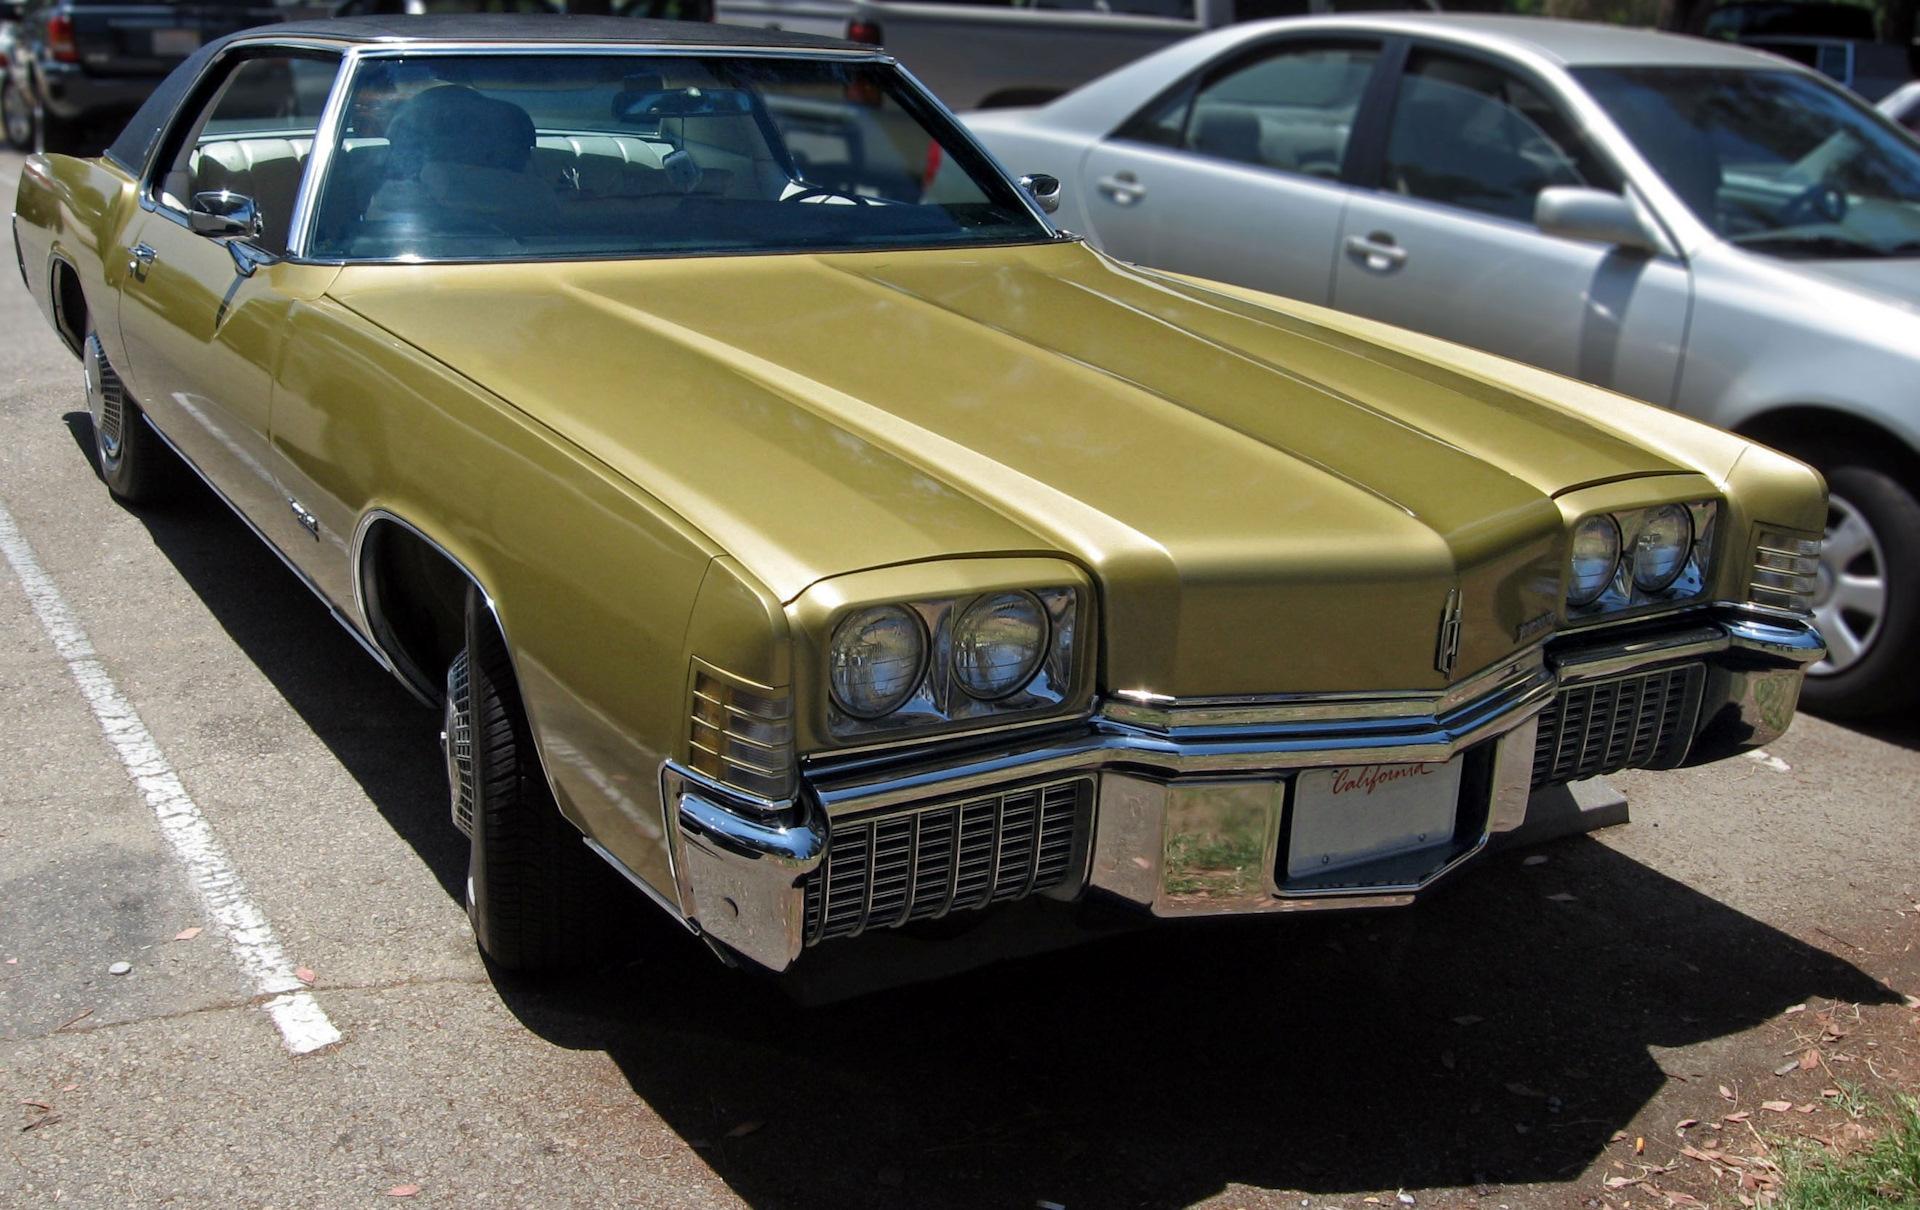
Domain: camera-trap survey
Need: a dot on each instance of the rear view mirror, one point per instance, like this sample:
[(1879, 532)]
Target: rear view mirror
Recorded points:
[(1576, 212), (681, 103), (224, 215)]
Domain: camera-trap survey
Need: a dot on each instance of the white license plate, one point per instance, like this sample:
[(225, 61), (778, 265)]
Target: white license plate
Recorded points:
[(1356, 813), (175, 43)]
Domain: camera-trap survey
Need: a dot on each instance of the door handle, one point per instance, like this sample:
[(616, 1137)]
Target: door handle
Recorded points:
[(1123, 187), (1377, 251), (143, 258)]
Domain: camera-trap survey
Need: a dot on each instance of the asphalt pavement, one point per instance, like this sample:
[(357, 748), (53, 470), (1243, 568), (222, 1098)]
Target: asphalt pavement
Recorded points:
[(204, 778)]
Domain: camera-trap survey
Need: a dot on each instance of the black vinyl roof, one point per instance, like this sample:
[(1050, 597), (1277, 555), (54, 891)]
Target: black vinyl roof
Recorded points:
[(511, 28), (135, 143)]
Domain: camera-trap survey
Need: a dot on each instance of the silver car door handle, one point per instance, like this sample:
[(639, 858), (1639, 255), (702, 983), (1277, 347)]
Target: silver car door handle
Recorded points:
[(1122, 187), (1377, 251), (143, 258)]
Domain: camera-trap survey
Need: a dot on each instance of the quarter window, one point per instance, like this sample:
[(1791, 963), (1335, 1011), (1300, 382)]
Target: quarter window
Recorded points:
[(254, 139), (1291, 110), (1473, 136)]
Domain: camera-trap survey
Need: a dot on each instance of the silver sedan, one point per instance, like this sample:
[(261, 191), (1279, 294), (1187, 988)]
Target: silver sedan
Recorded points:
[(1699, 225)]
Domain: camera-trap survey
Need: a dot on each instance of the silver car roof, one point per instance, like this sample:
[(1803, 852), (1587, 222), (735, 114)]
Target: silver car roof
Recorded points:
[(1568, 43)]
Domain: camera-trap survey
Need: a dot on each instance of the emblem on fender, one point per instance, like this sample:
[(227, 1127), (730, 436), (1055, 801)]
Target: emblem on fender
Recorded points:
[(1448, 649), (1539, 625)]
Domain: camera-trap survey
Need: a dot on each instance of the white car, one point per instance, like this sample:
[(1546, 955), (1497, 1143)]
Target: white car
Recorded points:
[(1903, 105), (1693, 223)]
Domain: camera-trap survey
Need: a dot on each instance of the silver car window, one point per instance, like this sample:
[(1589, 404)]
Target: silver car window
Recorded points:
[(1470, 135), (1778, 162), (1290, 109)]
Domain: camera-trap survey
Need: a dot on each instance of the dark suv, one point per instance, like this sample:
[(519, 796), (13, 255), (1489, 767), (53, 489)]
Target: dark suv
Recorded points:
[(79, 65)]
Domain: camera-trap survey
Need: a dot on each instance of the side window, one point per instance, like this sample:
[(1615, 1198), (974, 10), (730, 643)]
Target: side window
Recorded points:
[(1290, 109), (254, 138), (1473, 136)]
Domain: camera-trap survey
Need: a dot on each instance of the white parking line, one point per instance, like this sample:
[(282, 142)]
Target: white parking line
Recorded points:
[(302, 1023)]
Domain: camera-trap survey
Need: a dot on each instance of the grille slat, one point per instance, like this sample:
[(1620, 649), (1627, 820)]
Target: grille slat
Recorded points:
[(1642, 720), (885, 870)]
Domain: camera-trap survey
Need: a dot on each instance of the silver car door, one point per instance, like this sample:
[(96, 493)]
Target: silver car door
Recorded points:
[(1446, 243), (1235, 176)]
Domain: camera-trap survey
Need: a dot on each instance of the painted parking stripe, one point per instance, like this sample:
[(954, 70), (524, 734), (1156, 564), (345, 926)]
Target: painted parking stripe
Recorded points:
[(302, 1023)]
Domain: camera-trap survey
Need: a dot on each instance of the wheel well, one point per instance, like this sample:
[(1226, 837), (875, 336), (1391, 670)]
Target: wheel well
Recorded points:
[(415, 599), (69, 306), (1825, 436)]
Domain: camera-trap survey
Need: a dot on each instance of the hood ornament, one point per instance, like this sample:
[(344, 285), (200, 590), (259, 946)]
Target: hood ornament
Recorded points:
[(1448, 649)]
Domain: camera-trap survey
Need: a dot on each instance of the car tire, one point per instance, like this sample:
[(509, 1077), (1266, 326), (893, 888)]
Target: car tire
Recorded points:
[(540, 901), (1868, 603), (135, 464), (16, 115)]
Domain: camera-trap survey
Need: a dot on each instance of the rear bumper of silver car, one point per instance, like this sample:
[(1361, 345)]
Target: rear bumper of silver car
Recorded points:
[(1191, 807)]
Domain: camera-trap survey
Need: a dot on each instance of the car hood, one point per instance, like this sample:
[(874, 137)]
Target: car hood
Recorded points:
[(1893, 281), (1267, 503)]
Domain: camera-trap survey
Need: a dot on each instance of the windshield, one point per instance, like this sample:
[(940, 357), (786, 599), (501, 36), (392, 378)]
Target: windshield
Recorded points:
[(1774, 161), (492, 157)]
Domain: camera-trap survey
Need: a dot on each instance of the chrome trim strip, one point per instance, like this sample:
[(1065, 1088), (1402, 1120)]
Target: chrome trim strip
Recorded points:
[(306, 201), (1634, 654)]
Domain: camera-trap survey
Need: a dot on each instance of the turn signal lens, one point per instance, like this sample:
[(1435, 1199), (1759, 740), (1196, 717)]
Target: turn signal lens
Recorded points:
[(876, 660), (997, 644), (1660, 548), (1596, 556)]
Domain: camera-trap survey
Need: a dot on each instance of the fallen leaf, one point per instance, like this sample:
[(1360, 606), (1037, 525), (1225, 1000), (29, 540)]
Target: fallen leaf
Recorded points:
[(1805, 1108), (43, 1120), (1619, 1136), (1829, 1092), (69, 1088), (1726, 1092), (1683, 1123), (744, 1129), (403, 1191), (1776, 1106), (306, 976), (1563, 897), (13, 962), (1787, 1068), (1741, 1116), (1682, 1199), (1621, 1182), (40, 1105), (1798, 1008), (1694, 1153), (187, 934), (1468, 1020), (1810, 1060)]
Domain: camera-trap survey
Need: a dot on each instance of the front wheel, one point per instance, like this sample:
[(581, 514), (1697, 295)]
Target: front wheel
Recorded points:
[(16, 114), (1867, 602), (539, 900), (135, 463)]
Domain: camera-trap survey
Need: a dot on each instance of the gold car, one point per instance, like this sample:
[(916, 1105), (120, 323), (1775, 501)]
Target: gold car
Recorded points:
[(777, 503)]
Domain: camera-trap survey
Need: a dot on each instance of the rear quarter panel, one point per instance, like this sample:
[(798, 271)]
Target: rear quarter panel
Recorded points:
[(76, 211)]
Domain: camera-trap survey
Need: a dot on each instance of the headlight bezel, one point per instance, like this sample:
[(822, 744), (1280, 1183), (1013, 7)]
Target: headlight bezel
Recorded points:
[(1623, 594)]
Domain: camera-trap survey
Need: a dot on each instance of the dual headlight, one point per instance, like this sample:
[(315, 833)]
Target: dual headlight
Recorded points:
[(1639, 556), (925, 662)]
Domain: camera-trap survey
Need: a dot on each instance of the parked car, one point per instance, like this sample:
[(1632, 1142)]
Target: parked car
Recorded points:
[(78, 67), (16, 111), (1693, 223), (1836, 40), (784, 515), (996, 53), (1903, 106)]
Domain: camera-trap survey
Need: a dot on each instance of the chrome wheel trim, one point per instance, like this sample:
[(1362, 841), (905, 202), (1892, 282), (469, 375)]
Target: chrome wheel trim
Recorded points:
[(106, 399), (457, 740), (19, 115), (1849, 607)]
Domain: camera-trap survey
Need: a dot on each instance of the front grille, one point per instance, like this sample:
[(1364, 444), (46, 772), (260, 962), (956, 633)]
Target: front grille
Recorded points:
[(884, 870), (1630, 722)]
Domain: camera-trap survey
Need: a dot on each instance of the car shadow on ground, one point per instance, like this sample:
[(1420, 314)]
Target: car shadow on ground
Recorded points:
[(1501, 1032)]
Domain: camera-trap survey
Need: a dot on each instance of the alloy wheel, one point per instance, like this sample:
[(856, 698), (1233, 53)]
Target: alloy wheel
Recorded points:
[(1850, 600)]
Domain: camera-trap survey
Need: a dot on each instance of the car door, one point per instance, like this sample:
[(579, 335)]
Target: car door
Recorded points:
[(201, 317), (1444, 242), (1236, 175)]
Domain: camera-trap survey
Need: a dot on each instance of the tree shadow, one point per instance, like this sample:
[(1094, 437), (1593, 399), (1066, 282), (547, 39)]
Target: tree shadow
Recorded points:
[(1489, 1034)]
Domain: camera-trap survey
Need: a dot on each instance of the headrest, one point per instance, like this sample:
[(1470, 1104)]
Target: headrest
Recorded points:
[(453, 124)]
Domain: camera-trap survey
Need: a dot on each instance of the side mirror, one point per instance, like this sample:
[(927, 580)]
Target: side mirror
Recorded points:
[(1043, 189), (1577, 212), (224, 215)]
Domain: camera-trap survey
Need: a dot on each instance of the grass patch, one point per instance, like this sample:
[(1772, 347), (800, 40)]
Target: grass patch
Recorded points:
[(1882, 1173)]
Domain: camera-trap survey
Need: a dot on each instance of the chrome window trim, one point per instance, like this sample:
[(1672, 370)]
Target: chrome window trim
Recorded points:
[(306, 199)]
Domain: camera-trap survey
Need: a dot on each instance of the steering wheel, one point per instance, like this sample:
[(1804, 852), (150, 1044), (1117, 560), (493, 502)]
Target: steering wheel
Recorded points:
[(1817, 203), (820, 191)]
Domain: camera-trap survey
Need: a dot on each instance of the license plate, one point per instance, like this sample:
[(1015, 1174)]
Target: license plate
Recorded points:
[(1357, 813), (175, 43)]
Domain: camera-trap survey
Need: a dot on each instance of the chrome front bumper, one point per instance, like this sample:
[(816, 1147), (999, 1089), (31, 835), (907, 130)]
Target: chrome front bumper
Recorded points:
[(1184, 807)]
